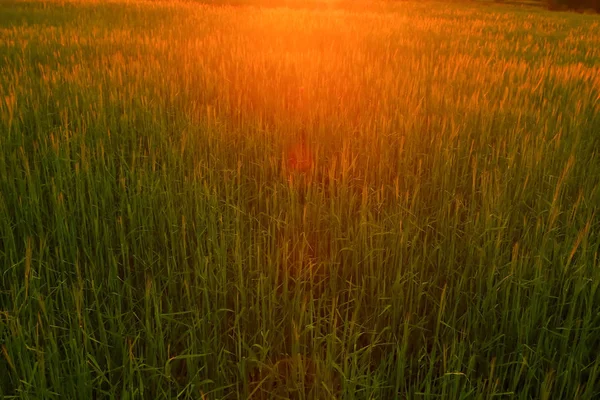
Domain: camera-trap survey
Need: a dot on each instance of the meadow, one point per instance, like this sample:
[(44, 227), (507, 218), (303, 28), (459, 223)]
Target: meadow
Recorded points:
[(304, 200)]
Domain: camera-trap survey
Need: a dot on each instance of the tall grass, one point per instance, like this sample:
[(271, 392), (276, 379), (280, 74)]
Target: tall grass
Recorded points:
[(437, 237)]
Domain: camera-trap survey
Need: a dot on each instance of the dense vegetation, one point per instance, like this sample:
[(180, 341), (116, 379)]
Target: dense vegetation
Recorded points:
[(337, 201), (581, 5)]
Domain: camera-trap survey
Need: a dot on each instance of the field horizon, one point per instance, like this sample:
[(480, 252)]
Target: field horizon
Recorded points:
[(365, 201)]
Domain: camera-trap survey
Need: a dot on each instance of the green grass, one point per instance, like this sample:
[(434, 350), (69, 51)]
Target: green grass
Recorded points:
[(439, 238)]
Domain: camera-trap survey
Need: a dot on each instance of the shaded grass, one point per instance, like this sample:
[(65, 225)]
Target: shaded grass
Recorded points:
[(156, 242)]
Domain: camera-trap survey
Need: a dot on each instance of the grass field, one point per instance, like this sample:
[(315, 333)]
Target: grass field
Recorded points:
[(327, 200)]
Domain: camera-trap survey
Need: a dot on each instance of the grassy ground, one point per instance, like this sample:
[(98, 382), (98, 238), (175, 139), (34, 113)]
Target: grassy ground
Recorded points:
[(332, 200)]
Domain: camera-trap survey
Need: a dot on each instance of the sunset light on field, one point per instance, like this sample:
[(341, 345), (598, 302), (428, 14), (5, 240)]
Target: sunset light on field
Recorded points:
[(299, 199)]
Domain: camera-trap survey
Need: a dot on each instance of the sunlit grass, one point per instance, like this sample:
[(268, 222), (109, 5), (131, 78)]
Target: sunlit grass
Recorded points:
[(331, 200)]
